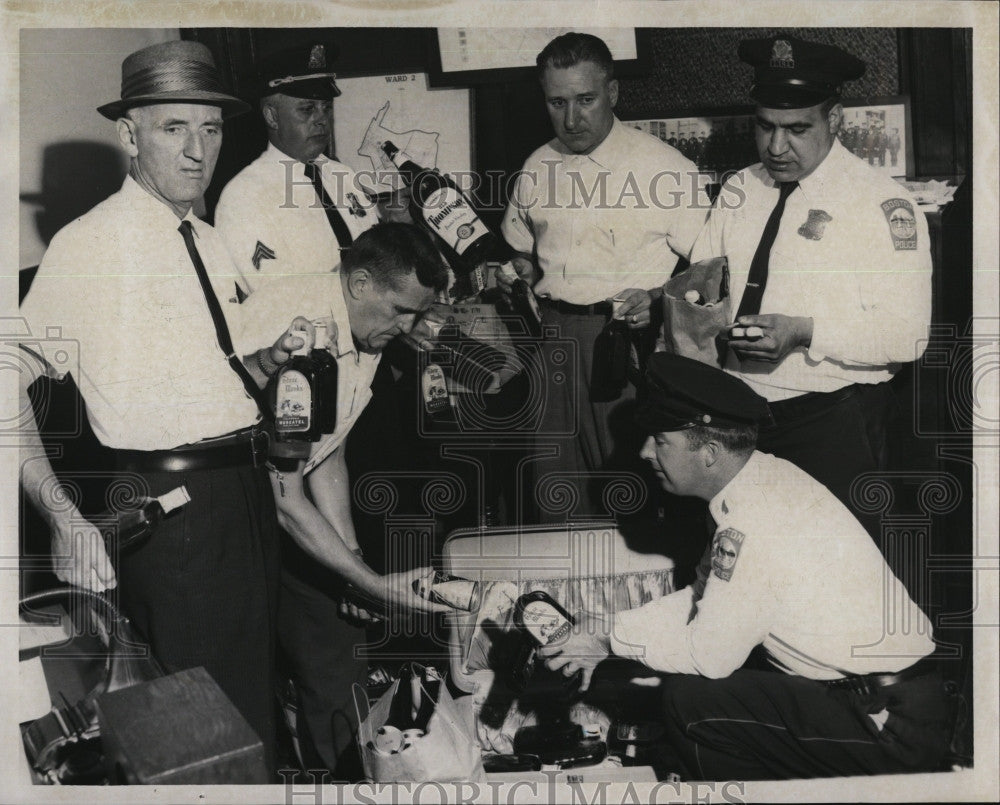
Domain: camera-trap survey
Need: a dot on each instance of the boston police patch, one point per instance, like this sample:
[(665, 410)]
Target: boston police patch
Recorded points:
[(902, 223), (725, 551)]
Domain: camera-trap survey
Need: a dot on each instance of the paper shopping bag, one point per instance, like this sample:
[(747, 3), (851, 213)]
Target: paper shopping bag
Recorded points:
[(697, 310), (415, 733)]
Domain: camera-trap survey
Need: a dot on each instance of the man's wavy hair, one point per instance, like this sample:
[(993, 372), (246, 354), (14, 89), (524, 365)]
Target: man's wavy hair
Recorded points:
[(573, 48)]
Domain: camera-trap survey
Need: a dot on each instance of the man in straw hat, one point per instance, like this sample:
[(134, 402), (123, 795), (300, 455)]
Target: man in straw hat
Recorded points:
[(850, 688), (142, 287)]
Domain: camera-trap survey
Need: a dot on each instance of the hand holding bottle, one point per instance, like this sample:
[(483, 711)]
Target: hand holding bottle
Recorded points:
[(525, 270), (79, 556), (291, 340), (586, 645), (632, 307)]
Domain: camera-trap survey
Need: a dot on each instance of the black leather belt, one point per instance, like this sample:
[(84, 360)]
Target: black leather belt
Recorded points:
[(810, 403), (596, 309), (866, 684), (246, 447)]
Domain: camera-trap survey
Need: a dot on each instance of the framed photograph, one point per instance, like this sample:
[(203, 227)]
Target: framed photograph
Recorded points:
[(877, 130), (721, 141)]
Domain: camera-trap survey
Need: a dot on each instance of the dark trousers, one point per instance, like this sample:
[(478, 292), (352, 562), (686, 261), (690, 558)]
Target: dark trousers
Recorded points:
[(835, 437), (766, 725), (203, 590), (594, 441), (321, 650)]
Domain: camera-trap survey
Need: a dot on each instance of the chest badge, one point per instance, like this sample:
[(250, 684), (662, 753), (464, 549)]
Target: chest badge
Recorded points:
[(815, 225), (260, 253)]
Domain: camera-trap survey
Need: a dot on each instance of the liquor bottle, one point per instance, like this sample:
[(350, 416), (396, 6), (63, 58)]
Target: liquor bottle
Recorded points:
[(540, 616), (453, 591), (523, 301), (325, 367), (294, 397), (128, 528), (468, 360), (441, 207), (609, 371), (542, 621), (437, 401)]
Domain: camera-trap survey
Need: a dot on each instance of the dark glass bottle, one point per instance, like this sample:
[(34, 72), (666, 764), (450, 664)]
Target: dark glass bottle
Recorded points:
[(609, 370), (469, 361), (128, 528), (294, 396), (523, 302), (439, 205), (542, 620), (325, 366)]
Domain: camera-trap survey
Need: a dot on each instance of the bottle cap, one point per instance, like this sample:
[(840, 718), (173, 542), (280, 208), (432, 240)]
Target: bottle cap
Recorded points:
[(508, 270), (306, 347), (319, 340), (174, 499)]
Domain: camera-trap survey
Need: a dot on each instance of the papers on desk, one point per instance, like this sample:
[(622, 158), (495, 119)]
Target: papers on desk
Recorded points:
[(32, 700), (931, 195), (33, 635)]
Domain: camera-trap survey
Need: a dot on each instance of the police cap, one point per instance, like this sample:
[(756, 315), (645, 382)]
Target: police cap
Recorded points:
[(683, 392), (790, 73), (302, 72)]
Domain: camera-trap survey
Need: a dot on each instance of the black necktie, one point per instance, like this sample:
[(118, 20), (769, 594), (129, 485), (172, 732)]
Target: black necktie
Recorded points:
[(333, 215), (221, 328), (757, 278)]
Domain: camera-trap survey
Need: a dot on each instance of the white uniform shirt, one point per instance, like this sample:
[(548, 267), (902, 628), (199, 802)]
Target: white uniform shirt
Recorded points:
[(852, 252), (613, 219), (315, 297), (271, 219), (791, 569), (120, 285)]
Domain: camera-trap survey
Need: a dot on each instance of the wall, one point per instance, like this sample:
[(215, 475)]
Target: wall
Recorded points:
[(695, 68), (70, 159)]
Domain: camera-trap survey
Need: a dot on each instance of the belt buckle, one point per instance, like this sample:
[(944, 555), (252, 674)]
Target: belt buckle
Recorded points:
[(259, 445)]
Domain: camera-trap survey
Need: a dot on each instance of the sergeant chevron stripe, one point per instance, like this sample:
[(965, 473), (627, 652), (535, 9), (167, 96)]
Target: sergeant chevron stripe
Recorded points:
[(261, 252)]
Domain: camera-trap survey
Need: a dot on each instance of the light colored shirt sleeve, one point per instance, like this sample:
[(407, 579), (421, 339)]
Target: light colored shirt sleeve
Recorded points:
[(516, 227), (884, 314), (730, 619), (688, 218)]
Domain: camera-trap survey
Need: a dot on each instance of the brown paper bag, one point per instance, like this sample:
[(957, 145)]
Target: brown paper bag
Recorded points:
[(692, 329)]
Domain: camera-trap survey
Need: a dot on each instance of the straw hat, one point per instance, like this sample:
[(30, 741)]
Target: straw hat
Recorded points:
[(172, 72)]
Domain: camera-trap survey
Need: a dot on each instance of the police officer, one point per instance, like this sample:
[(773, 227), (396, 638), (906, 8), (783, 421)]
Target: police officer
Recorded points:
[(789, 568), (293, 210), (829, 264)]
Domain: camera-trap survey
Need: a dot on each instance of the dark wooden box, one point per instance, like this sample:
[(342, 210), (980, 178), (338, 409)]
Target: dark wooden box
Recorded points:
[(178, 729)]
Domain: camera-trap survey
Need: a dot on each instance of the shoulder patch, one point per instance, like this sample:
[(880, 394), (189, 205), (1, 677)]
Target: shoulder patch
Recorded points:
[(902, 223), (725, 551)]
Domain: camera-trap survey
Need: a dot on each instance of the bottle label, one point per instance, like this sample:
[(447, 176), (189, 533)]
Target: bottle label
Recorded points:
[(449, 215), (293, 402), (173, 499), (545, 623), (435, 389)]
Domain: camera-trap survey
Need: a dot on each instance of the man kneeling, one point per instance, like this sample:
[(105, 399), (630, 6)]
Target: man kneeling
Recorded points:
[(790, 569)]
